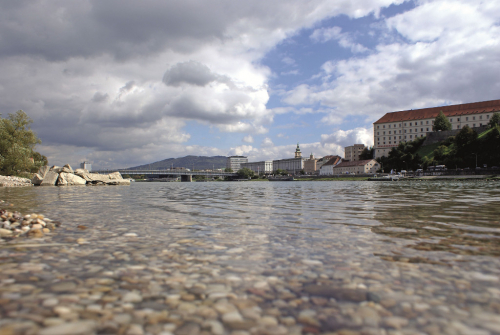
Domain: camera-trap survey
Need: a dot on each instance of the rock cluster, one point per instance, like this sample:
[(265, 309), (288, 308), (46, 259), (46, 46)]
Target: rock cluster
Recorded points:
[(12, 181), (65, 176), (13, 224)]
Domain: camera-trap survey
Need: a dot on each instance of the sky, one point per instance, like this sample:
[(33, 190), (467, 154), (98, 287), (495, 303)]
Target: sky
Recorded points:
[(121, 83)]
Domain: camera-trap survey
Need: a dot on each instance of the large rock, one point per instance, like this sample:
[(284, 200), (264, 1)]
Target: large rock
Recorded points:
[(67, 168), (114, 178), (43, 171), (50, 179), (69, 179), (56, 169), (81, 172), (37, 179)]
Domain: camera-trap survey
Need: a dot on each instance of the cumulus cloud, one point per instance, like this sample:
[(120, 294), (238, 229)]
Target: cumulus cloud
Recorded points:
[(266, 142), (118, 81), (345, 40), (441, 52), (248, 139), (344, 138), (191, 72)]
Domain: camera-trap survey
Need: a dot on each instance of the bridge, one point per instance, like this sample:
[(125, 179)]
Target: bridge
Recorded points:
[(186, 175)]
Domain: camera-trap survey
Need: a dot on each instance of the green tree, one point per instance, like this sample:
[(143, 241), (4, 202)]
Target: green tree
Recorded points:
[(228, 170), (245, 173), (367, 153), (17, 145), (495, 120), (281, 172), (441, 122)]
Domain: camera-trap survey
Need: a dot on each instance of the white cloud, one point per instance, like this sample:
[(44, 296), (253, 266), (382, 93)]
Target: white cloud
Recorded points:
[(345, 40), (344, 138), (266, 143), (288, 61), (111, 78), (248, 139), (451, 57)]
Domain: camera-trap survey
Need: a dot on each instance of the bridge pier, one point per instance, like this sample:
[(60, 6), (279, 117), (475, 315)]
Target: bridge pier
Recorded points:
[(186, 178)]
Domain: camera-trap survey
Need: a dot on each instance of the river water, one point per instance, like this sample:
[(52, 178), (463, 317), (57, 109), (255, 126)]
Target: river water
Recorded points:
[(256, 258)]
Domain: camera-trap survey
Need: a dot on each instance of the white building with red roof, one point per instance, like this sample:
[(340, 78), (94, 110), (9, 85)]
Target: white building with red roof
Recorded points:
[(396, 127), (368, 166)]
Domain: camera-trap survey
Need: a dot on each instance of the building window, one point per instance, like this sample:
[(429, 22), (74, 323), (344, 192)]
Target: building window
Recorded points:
[(405, 131), (421, 122), (384, 142), (480, 116), (410, 124), (378, 127), (389, 142), (384, 132), (384, 138), (384, 125), (473, 118), (400, 125), (466, 118), (427, 129), (427, 122), (474, 125), (405, 137), (416, 130), (487, 116), (389, 132), (458, 120), (399, 137), (410, 130), (400, 131), (405, 124), (480, 125), (411, 136), (421, 129), (378, 133), (458, 126)]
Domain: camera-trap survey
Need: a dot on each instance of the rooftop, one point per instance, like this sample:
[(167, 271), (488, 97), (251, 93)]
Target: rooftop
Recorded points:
[(354, 163), (432, 112)]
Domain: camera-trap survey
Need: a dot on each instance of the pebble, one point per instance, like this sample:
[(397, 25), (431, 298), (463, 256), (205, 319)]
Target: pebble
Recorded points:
[(70, 328)]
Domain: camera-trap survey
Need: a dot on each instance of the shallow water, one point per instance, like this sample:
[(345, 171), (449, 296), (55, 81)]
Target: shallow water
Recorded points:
[(414, 257)]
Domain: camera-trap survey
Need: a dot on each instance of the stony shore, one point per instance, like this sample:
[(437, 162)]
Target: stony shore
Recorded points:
[(11, 181)]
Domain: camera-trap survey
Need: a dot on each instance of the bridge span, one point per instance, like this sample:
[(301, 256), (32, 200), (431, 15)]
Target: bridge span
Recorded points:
[(186, 175)]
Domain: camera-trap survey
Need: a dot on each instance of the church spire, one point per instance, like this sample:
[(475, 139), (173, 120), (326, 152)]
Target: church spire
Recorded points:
[(298, 154)]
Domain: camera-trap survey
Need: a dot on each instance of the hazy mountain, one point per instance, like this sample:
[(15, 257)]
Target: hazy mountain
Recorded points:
[(188, 162)]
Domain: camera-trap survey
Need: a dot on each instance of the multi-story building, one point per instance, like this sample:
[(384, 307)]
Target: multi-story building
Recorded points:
[(234, 162), (262, 167), (310, 165), (86, 165), (327, 168), (292, 165), (351, 153), (396, 127), (357, 167)]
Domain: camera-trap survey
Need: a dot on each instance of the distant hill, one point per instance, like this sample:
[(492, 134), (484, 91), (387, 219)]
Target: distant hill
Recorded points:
[(199, 163)]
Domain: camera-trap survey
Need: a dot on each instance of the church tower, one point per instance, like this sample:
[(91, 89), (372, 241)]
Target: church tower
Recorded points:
[(298, 154)]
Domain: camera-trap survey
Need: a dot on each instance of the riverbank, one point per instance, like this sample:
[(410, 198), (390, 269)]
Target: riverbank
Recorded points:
[(456, 178), (12, 181)]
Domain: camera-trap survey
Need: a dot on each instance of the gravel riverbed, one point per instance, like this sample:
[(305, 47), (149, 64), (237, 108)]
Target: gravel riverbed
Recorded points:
[(201, 276)]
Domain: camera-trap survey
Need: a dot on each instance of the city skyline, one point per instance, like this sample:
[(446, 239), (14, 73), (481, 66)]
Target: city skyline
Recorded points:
[(121, 83)]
